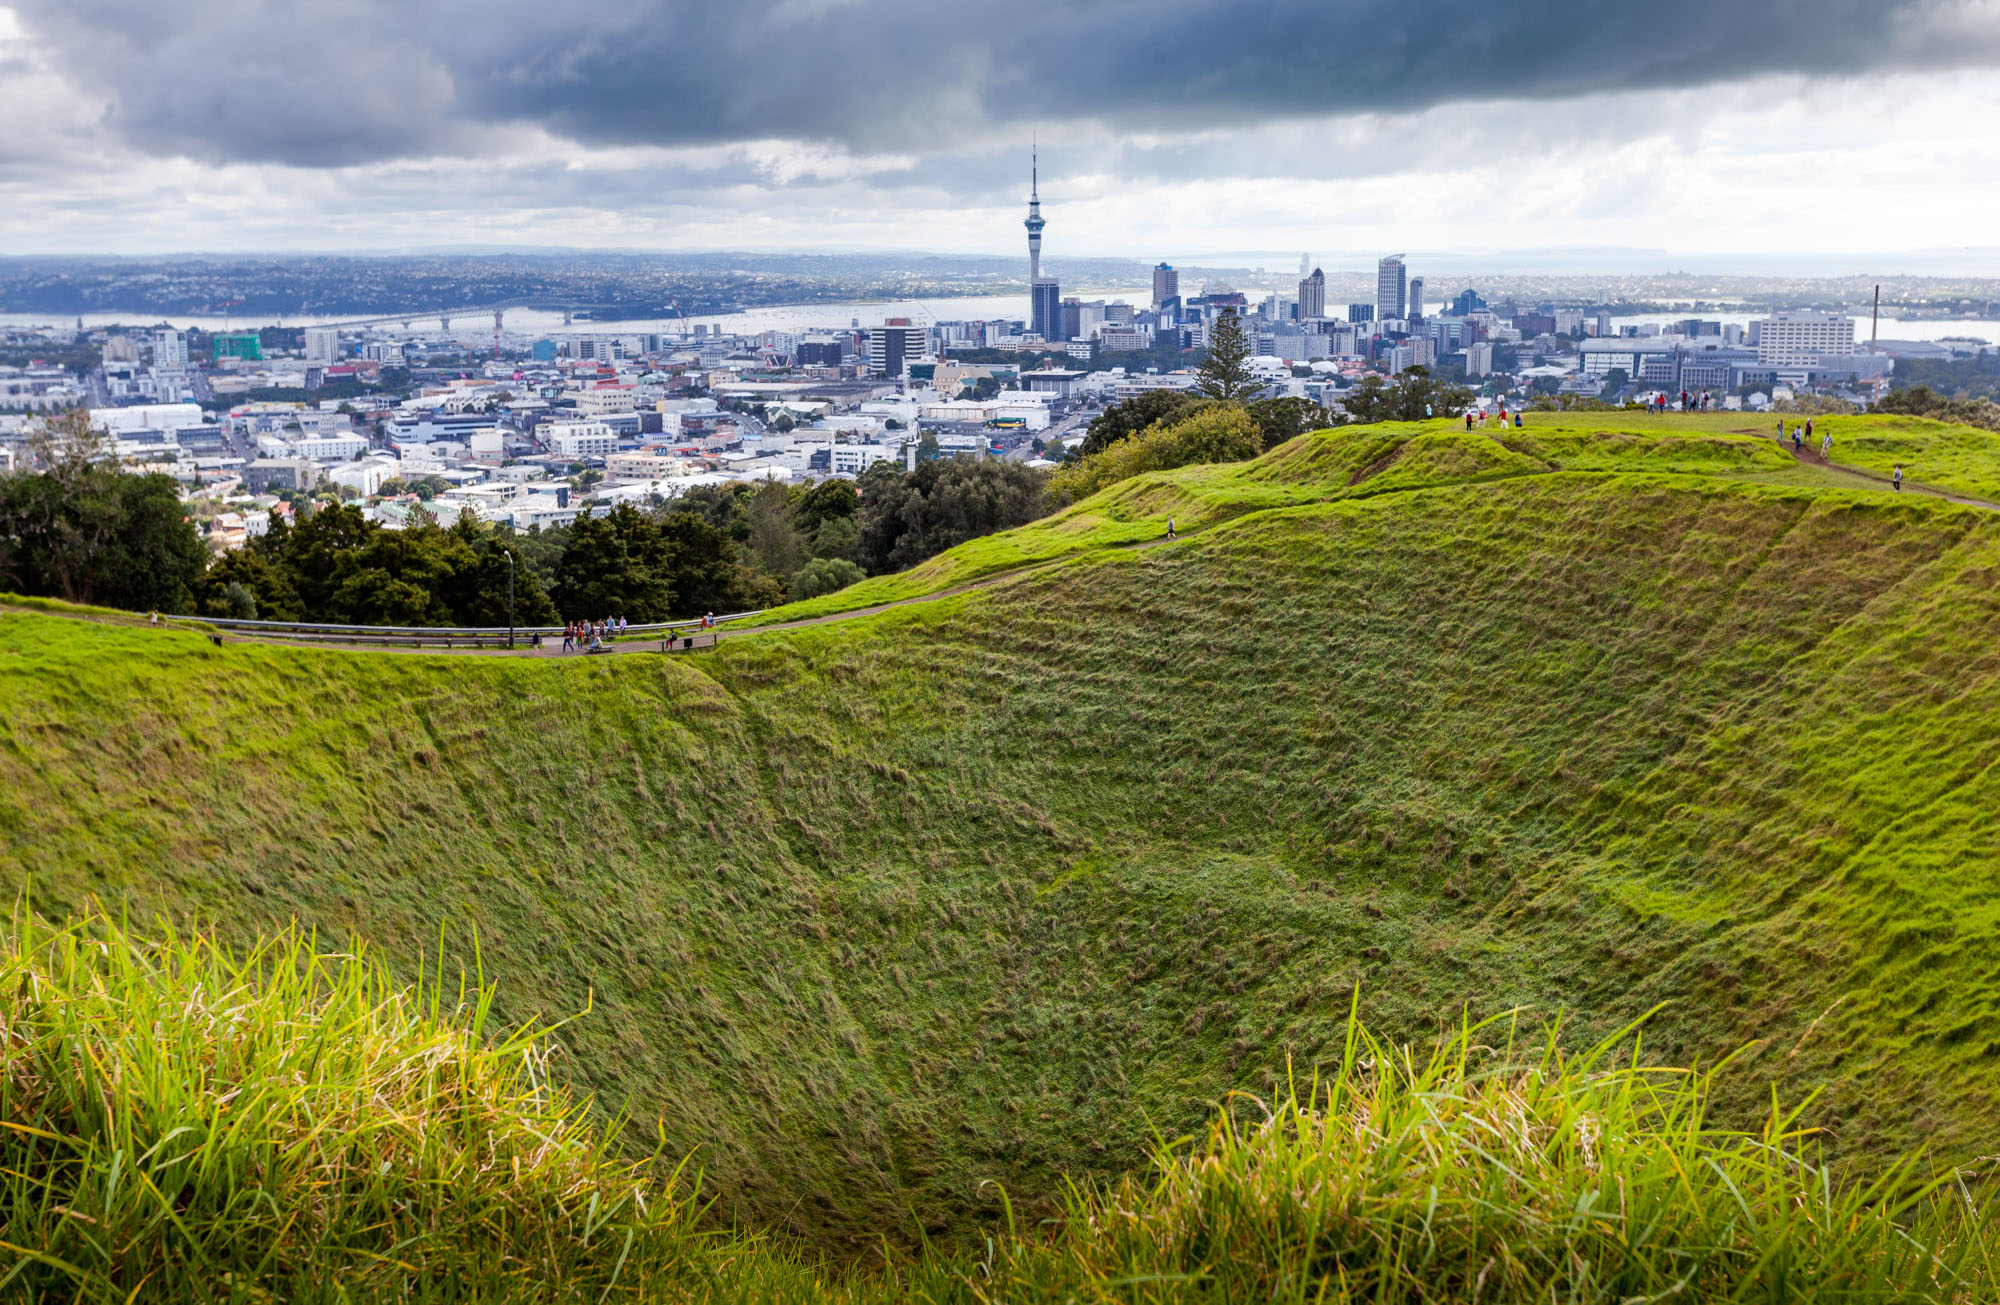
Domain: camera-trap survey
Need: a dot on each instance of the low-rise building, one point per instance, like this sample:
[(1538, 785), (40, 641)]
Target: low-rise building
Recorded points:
[(580, 440)]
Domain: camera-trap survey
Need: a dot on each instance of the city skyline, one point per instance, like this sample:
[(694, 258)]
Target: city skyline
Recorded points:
[(1171, 132)]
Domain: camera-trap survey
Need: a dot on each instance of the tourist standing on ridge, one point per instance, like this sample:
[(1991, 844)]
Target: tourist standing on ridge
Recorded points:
[(1899, 478)]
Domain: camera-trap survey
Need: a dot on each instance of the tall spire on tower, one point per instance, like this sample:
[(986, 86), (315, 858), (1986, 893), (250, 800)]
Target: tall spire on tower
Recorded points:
[(1035, 222)]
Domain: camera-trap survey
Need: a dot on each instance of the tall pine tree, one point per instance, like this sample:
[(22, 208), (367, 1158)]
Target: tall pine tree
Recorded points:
[(1225, 373)]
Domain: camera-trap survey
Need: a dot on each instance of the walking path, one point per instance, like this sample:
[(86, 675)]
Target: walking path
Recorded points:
[(1807, 455)]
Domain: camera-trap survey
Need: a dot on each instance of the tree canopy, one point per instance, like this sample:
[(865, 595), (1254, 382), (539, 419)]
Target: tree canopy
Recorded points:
[(1122, 420), (909, 516), (82, 530), (1415, 395)]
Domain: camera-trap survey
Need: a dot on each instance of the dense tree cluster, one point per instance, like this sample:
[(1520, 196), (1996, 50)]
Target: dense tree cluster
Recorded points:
[(84, 532), (909, 516), (1923, 401), (337, 566), (1952, 378)]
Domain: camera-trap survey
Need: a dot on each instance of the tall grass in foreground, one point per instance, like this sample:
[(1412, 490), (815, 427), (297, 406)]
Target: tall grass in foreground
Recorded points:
[(1465, 1176), (179, 1124)]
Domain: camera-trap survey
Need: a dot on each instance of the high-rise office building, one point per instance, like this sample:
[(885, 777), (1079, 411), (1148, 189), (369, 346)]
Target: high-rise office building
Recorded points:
[(1392, 289), (1467, 303), (322, 345), (894, 343), (1358, 313), (1044, 294), (1312, 296), (1416, 305), (1166, 284)]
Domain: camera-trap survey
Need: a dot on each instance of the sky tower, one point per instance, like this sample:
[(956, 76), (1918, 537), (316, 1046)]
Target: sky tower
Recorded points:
[(1035, 222), (1044, 295)]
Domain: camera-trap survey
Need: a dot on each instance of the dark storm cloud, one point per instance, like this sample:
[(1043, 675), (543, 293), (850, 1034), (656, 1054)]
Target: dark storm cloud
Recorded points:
[(342, 83)]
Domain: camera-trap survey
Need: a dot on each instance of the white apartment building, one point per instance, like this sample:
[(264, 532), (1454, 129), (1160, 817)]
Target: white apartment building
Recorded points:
[(647, 466), (1802, 339), (330, 448), (581, 439), (364, 477), (170, 351), (853, 459), (599, 403), (322, 345)]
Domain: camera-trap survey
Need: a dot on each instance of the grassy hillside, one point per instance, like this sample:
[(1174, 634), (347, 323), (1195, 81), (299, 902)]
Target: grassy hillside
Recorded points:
[(992, 888), (1356, 462)]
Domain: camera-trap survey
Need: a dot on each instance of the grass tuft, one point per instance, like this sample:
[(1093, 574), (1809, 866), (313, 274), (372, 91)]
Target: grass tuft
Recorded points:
[(1471, 1175), (180, 1123)]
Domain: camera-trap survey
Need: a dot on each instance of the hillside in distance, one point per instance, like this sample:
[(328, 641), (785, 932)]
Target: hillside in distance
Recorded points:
[(869, 915)]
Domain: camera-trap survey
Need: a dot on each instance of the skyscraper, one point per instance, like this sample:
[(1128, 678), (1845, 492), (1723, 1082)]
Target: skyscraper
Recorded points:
[(1044, 295), (1312, 296), (1416, 305), (1166, 284), (1045, 308), (1392, 290)]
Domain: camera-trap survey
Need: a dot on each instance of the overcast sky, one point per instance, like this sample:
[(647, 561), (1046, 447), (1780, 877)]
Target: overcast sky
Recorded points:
[(1851, 131)]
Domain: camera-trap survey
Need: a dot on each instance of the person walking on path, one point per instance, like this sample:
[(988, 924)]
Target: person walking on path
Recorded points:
[(1809, 426), (1898, 478), (1170, 527), (1826, 447), (1797, 443)]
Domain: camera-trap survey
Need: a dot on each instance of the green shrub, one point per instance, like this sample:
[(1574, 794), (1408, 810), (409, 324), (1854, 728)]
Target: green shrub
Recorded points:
[(1222, 433), (822, 576)]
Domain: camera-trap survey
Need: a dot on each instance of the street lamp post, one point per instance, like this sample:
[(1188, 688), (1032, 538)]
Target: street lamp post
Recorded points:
[(508, 554)]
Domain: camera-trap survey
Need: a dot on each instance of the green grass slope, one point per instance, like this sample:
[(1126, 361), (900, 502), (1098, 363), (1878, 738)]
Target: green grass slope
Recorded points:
[(1352, 462), (1951, 457), (872, 914)]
